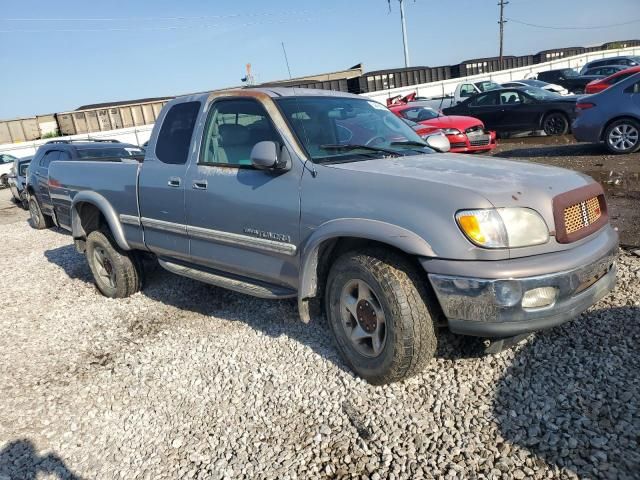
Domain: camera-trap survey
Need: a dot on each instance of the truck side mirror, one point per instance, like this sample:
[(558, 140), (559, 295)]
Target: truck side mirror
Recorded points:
[(268, 155), (264, 155)]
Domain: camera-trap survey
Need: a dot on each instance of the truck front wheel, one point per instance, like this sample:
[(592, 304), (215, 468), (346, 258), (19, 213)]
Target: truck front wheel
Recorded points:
[(378, 310), (115, 271)]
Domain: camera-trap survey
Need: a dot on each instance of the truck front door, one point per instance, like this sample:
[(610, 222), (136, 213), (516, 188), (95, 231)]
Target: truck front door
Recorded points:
[(242, 220), (162, 182)]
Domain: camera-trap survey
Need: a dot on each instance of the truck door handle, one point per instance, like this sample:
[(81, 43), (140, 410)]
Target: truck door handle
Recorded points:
[(174, 181), (200, 184)]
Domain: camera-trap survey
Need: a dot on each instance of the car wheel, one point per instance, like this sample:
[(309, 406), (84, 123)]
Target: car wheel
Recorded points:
[(555, 123), (379, 312), (4, 181), (116, 272), (623, 136), (38, 220)]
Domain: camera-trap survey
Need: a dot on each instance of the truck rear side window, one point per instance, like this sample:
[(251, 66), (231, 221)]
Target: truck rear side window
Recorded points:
[(176, 132)]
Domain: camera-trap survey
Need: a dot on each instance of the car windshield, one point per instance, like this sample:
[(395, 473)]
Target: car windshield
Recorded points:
[(336, 129), (540, 94), (534, 83), (419, 114), (487, 85), (104, 152), (23, 168)]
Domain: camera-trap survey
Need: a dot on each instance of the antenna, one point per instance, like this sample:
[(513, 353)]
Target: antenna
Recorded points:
[(284, 50), (502, 21)]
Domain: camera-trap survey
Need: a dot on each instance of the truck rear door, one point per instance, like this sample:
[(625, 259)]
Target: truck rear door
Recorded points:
[(240, 219), (162, 181), (42, 176)]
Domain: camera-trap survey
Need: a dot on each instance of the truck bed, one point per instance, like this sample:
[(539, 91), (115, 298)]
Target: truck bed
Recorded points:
[(115, 179)]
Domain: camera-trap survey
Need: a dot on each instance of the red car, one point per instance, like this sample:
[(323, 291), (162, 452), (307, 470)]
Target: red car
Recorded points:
[(603, 83), (466, 134)]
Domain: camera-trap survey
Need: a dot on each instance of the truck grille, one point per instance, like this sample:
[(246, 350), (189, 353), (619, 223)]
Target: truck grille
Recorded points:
[(579, 213)]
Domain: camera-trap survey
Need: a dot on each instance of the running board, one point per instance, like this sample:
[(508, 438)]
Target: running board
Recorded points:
[(255, 289)]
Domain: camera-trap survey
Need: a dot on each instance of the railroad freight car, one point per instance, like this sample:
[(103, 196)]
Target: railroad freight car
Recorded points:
[(109, 118)]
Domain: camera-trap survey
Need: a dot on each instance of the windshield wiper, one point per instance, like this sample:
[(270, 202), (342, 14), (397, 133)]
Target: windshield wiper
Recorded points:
[(352, 146), (410, 143)]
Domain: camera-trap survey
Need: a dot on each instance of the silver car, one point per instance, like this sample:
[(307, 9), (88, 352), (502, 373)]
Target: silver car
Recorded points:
[(611, 116), (18, 178)]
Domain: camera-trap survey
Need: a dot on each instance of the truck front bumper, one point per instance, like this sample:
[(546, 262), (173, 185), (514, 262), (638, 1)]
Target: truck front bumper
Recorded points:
[(496, 305)]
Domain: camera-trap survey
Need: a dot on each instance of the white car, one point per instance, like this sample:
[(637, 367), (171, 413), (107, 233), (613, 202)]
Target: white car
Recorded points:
[(466, 90), (6, 162), (552, 87)]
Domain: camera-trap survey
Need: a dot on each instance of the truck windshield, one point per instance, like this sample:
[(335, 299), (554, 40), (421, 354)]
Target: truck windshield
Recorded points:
[(323, 124)]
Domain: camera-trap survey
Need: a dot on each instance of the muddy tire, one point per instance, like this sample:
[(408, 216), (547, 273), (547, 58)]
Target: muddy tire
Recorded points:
[(38, 220), (623, 136), (380, 314), (555, 123), (117, 273)]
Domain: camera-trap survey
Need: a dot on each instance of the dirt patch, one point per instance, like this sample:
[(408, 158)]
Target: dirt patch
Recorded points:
[(618, 174)]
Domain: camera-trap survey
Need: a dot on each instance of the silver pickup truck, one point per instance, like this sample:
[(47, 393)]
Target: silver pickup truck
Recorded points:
[(331, 199)]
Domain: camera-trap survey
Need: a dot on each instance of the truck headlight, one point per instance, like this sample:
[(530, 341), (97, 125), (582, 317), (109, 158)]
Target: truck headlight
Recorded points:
[(503, 227)]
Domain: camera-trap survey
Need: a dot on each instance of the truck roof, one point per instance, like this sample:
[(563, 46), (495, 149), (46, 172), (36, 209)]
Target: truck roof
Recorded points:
[(274, 92)]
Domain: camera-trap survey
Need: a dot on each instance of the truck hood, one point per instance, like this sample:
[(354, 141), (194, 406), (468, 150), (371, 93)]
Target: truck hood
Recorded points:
[(502, 182)]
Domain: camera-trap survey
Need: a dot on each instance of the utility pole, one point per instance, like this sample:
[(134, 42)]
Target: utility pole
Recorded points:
[(404, 34), (405, 43), (502, 21)]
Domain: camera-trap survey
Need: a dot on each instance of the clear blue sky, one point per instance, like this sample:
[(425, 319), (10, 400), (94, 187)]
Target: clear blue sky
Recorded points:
[(47, 68)]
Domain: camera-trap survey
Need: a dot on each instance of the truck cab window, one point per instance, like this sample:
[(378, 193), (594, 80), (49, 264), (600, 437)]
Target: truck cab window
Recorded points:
[(233, 128), (175, 135)]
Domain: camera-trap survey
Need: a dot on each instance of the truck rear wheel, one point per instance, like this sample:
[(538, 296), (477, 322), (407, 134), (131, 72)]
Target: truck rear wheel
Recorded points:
[(116, 272), (378, 310), (39, 220)]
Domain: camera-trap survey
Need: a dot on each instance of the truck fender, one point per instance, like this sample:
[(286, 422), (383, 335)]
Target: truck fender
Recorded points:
[(361, 228), (103, 205)]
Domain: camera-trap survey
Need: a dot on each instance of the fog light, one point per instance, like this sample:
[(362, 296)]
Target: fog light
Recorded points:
[(508, 292), (539, 297)]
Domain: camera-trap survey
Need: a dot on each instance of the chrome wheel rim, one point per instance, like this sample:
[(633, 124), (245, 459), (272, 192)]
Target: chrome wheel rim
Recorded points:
[(104, 267), (623, 137), (363, 318), (33, 210)]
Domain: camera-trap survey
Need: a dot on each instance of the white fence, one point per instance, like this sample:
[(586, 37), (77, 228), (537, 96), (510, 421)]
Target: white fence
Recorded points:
[(139, 135), (133, 135), (448, 87)]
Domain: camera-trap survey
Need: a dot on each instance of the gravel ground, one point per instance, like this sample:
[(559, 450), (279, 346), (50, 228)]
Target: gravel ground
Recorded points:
[(184, 380)]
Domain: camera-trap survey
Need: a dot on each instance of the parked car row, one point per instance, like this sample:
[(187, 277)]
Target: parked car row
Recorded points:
[(332, 199)]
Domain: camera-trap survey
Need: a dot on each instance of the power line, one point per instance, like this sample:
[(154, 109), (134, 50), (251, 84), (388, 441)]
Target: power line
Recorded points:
[(594, 27), (181, 18), (150, 29)]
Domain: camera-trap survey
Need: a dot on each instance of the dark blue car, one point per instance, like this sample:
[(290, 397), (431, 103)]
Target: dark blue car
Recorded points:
[(611, 116)]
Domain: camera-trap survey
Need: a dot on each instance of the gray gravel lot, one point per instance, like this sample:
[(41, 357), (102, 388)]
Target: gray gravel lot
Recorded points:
[(184, 380)]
